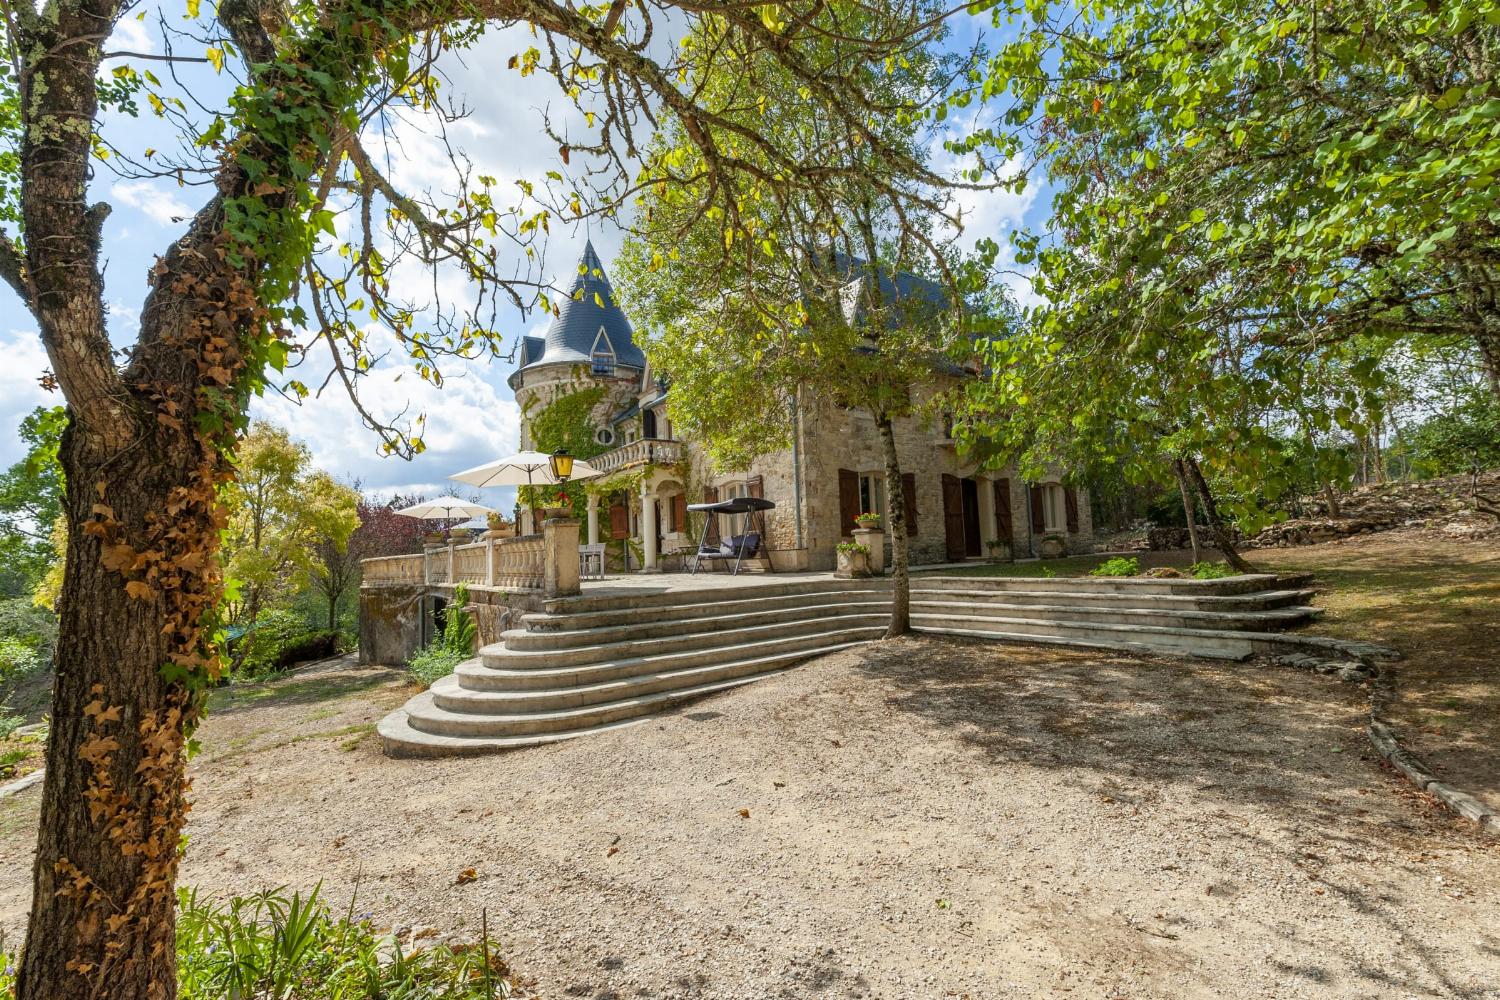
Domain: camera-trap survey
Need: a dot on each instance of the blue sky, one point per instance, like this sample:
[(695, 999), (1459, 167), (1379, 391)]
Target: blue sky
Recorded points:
[(473, 417)]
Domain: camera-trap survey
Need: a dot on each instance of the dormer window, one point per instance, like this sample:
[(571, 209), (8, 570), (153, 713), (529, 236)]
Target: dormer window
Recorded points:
[(602, 355)]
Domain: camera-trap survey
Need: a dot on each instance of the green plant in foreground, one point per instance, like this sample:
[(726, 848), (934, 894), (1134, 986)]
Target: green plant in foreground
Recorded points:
[(1210, 570), (1118, 566)]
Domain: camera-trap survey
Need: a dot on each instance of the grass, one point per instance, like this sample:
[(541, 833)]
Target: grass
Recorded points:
[(307, 690), (1068, 565)]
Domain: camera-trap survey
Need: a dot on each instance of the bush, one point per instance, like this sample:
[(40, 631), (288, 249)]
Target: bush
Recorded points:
[(17, 660), (1211, 570), (1118, 566), (452, 647), (282, 639), (279, 947)]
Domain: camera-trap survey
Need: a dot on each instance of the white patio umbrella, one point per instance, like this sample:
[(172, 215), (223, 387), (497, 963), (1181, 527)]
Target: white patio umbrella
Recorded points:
[(445, 508), (525, 468)]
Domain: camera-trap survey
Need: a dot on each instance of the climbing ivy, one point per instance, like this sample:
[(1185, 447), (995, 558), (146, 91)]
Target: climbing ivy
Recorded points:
[(565, 422)]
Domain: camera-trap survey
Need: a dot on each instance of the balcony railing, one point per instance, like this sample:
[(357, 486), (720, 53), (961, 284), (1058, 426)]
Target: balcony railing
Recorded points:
[(646, 451)]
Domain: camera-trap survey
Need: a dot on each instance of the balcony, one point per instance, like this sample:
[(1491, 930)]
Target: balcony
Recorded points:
[(646, 451)]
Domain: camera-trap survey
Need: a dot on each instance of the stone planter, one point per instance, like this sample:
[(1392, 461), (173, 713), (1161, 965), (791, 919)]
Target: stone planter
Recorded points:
[(874, 540), (852, 565), (460, 536), (1051, 547), (1001, 553), (504, 531)]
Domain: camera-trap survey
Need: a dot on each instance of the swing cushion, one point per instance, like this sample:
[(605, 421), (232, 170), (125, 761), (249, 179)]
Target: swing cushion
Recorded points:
[(734, 547)]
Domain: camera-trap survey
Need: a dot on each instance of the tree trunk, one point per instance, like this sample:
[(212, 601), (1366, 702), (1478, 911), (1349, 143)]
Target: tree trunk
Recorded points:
[(1222, 537), (113, 802), (1187, 510), (1331, 497), (895, 501)]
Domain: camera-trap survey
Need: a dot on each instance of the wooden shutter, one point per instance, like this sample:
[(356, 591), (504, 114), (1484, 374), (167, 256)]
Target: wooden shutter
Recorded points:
[(909, 501), (679, 513), (755, 486), (1004, 530), (1038, 516), (1070, 501), (953, 517), (710, 494), (848, 501), (619, 520)]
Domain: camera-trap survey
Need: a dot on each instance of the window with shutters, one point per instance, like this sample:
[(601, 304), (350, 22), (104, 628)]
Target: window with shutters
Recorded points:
[(872, 493), (1054, 508)]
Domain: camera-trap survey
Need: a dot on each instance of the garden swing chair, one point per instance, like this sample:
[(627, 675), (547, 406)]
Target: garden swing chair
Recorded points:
[(734, 550)]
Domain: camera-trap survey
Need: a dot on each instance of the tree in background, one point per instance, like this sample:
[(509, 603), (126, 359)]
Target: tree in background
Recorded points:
[(381, 531), (262, 274), (282, 515), (773, 296), (31, 503), (1247, 200)]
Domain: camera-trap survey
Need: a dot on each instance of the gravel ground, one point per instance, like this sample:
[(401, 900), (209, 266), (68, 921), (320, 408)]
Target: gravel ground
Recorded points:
[(925, 818)]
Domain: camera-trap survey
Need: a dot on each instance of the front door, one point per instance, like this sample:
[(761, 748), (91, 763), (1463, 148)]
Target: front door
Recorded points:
[(971, 517), (953, 518)]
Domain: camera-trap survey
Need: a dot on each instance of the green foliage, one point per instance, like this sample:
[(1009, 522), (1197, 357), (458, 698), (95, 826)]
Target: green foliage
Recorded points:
[(567, 422), (277, 946), (30, 503), (452, 647), (1117, 566), (1210, 570), (281, 639), (853, 548), (1455, 442)]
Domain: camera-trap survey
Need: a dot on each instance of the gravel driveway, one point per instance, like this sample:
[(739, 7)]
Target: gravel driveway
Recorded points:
[(924, 818)]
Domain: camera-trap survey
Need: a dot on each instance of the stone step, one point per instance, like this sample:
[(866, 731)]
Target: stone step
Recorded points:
[(1222, 587), (450, 694), (1207, 643), (398, 738), (638, 598), (1000, 611), (482, 674), (659, 625), (424, 715), (696, 605), (1263, 600)]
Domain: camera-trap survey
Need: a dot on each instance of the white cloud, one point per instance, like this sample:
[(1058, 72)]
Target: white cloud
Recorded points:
[(130, 35), (162, 206), (20, 393)]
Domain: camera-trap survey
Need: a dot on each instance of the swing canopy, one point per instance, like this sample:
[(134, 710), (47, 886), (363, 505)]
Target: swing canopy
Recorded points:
[(734, 505)]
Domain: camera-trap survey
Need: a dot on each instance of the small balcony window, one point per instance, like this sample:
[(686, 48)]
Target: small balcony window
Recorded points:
[(603, 364)]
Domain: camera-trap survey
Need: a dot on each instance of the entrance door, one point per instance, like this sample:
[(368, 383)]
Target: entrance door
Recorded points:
[(953, 518), (971, 517)]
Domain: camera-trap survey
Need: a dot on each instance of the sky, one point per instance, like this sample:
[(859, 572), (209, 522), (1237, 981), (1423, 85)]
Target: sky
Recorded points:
[(473, 417)]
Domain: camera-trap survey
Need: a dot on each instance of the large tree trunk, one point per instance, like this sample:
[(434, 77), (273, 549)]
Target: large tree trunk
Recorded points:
[(1222, 538), (1187, 510), (113, 802), (895, 501)]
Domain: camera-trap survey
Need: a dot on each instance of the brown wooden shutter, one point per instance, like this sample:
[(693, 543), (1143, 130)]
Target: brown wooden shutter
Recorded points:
[(1004, 530), (848, 501), (1070, 502), (953, 518), (909, 501), (1038, 516), (755, 486), (679, 512), (619, 520), (710, 494)]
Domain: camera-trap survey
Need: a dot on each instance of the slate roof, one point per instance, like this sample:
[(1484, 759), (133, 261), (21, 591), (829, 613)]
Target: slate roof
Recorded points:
[(570, 338)]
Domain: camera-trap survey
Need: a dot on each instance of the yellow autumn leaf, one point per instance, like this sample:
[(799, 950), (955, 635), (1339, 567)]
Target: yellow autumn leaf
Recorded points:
[(216, 56), (138, 589)]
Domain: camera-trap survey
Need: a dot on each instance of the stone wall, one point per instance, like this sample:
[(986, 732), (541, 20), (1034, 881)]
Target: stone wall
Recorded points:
[(396, 620)]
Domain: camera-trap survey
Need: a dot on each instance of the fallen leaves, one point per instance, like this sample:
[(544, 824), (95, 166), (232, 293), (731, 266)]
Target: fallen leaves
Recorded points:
[(744, 814), (466, 876)]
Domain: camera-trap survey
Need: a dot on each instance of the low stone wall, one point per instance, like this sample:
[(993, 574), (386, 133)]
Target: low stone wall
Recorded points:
[(396, 620)]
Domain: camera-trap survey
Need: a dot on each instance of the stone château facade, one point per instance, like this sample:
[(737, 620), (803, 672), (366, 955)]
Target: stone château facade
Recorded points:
[(833, 471)]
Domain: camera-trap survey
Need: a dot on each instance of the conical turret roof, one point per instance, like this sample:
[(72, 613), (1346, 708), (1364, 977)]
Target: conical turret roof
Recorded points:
[(589, 308)]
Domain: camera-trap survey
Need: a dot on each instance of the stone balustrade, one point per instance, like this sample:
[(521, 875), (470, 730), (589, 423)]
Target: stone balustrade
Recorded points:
[(646, 451), (546, 562)]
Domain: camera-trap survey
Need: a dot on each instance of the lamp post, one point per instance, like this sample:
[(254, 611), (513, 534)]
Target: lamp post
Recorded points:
[(561, 462)]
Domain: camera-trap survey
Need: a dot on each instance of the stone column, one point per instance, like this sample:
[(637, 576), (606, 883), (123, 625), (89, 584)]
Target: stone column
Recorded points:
[(560, 557), (986, 491), (593, 519), (648, 530), (874, 540)]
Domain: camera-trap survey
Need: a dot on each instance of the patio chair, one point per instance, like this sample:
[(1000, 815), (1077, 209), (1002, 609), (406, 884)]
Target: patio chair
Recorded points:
[(591, 561)]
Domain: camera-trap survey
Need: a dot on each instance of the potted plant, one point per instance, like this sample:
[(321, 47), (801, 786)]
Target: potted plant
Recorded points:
[(853, 561), (499, 527), (461, 535), (999, 550), (869, 520), (433, 538), (1052, 546)]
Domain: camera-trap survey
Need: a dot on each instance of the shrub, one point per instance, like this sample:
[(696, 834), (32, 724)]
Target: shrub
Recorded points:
[(452, 647), (1210, 570), (272, 946), (17, 660), (1118, 566)]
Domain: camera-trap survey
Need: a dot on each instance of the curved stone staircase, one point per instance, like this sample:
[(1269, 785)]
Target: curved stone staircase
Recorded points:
[(597, 662)]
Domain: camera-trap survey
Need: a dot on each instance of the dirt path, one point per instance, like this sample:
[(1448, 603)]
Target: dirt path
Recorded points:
[(925, 819)]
